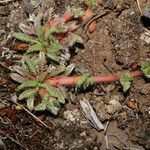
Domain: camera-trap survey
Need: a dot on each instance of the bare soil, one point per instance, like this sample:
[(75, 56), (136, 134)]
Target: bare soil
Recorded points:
[(114, 46)]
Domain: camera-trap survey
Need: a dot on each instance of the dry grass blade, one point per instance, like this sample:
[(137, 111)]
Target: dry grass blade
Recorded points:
[(138, 3)]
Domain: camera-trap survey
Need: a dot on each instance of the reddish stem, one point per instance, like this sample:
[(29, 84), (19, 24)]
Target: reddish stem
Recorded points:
[(61, 80)]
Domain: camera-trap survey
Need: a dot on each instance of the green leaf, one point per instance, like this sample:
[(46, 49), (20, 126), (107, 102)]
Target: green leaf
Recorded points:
[(78, 12), (23, 37), (27, 94), (91, 3), (30, 103), (40, 107), (28, 84), (51, 90), (54, 47), (145, 67), (53, 105), (62, 95), (69, 69), (85, 81), (53, 57), (42, 77), (31, 66), (40, 34), (34, 48), (56, 71), (125, 81)]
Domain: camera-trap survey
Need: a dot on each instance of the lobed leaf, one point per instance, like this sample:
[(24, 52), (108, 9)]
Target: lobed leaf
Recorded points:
[(40, 34), (27, 94), (23, 37), (55, 47), (28, 84), (53, 105), (34, 48), (42, 77), (31, 66)]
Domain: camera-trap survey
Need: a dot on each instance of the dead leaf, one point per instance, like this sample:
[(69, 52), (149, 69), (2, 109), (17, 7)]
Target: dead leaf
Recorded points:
[(87, 15), (92, 27), (20, 47), (3, 81), (132, 104)]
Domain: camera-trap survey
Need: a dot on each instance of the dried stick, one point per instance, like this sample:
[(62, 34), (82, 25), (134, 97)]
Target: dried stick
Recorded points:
[(35, 118)]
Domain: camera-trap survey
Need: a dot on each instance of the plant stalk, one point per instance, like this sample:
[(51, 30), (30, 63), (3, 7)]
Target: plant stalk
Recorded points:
[(62, 80)]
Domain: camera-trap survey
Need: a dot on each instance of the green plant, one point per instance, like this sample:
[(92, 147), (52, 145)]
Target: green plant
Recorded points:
[(145, 67), (91, 3), (85, 81), (33, 75), (47, 44), (125, 81)]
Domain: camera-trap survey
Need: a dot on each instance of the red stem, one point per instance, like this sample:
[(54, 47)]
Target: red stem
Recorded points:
[(62, 80)]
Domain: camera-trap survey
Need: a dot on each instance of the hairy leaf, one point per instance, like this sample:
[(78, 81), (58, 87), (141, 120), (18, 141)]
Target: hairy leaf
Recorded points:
[(125, 81), (85, 81), (55, 47), (28, 84), (53, 105), (30, 103), (62, 95), (40, 107), (27, 94), (56, 71), (23, 37), (91, 3), (20, 70), (31, 66), (42, 77), (51, 90), (34, 48), (18, 78), (78, 12), (145, 67), (40, 34), (53, 57)]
